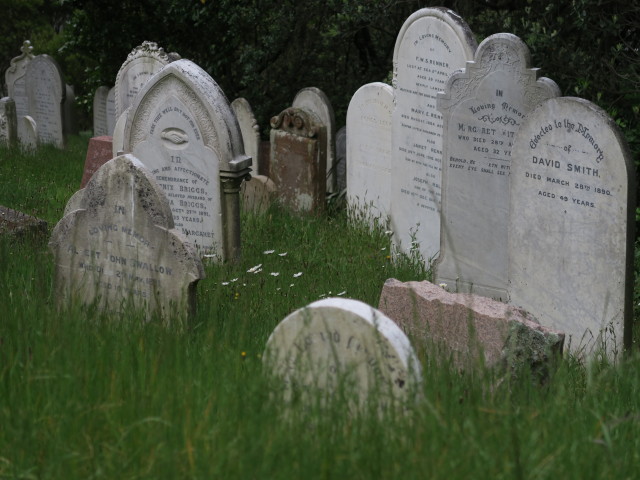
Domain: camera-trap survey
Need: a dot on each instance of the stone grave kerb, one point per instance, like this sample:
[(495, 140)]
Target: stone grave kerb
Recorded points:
[(218, 126)]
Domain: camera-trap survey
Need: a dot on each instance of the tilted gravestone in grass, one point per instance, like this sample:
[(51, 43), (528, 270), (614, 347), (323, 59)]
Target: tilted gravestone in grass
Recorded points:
[(183, 130), (117, 248), (342, 349), (17, 87), (46, 92), (432, 44), (571, 232), (369, 151), (482, 107)]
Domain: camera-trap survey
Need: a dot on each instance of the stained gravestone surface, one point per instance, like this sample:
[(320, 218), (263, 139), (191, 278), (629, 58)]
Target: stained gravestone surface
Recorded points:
[(183, 130), (314, 100), (138, 68), (8, 122), (572, 225), (111, 111), (16, 84), (69, 114), (119, 250), (18, 224), (249, 129), (336, 344), (431, 45), (258, 194), (483, 107), (98, 153), (298, 160), (471, 330), (46, 92), (100, 112), (341, 159), (369, 119)]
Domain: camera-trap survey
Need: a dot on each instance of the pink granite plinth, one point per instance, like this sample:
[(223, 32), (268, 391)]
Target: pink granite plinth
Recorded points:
[(98, 153), (471, 329)]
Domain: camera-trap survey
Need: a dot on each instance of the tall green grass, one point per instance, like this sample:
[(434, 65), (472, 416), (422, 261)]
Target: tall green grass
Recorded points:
[(84, 396)]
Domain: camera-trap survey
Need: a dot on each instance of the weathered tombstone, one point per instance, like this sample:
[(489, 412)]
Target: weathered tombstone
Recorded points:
[(69, 115), (314, 100), (19, 224), (29, 139), (471, 330), (369, 151), (98, 153), (483, 107), (258, 194), (46, 91), (100, 112), (120, 250), (298, 160), (118, 133), (111, 111), (571, 232), (341, 160), (431, 45), (16, 85), (249, 129), (183, 130), (343, 346), (8, 122), (141, 64)]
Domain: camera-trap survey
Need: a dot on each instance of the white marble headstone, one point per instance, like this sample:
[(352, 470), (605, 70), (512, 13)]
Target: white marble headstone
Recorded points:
[(46, 92), (572, 225), (250, 131), (117, 248), (16, 85), (314, 100), (183, 130), (483, 107), (431, 45), (100, 111), (342, 343), (369, 119)]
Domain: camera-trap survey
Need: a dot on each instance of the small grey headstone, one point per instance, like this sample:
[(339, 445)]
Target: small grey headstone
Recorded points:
[(8, 122), (118, 249), (571, 233), (250, 131), (100, 112), (69, 115), (29, 139), (341, 159), (111, 111)]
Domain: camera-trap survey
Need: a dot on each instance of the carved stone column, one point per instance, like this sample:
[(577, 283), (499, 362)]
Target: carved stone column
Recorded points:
[(230, 183)]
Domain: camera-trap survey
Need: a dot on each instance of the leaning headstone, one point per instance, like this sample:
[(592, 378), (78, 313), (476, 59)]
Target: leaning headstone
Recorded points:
[(111, 111), (298, 160), (19, 224), (341, 159), (483, 107), (183, 130), (100, 112), (8, 122), (369, 151), (571, 233), (141, 64), (471, 330), (314, 100), (120, 250), (16, 84), (250, 131), (69, 115), (99, 152), (431, 45), (46, 91), (342, 348)]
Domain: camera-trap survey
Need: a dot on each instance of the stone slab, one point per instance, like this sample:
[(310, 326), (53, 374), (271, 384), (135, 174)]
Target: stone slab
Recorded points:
[(18, 224), (341, 160), (249, 129), (46, 91), (99, 152), (572, 225), (469, 329), (483, 107), (111, 111), (431, 45), (69, 113), (258, 194), (8, 122), (369, 145), (120, 251), (342, 343), (100, 112), (29, 138)]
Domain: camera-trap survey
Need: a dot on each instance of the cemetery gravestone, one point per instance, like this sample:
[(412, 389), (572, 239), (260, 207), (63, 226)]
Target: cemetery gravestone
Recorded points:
[(143, 61), (8, 122), (431, 45), (314, 100), (111, 111), (258, 194), (341, 159), (298, 160), (120, 250), (100, 112), (483, 107), (29, 139), (250, 130), (369, 119), (16, 85), (572, 225), (46, 91), (98, 153), (69, 117), (183, 130), (342, 343)]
